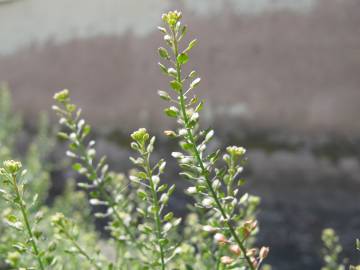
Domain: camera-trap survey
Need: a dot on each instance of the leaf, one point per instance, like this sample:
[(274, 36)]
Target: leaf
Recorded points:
[(171, 112), (163, 53), (77, 167), (86, 131), (20, 247), (142, 194), (171, 190), (163, 68), (200, 106), (162, 188), (11, 218), (183, 58), (191, 45), (183, 32), (176, 85), (169, 216)]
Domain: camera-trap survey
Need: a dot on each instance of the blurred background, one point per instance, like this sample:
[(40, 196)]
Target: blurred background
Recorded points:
[(281, 77)]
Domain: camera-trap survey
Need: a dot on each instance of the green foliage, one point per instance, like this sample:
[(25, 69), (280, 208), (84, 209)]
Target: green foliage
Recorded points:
[(157, 225), (18, 218), (219, 232), (215, 189), (36, 184), (331, 250)]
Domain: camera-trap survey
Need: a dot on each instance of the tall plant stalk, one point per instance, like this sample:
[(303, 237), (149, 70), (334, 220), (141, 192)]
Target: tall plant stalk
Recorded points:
[(210, 181)]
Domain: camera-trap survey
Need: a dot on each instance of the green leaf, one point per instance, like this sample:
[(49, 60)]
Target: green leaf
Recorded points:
[(163, 241), (141, 175), (77, 167), (169, 216), (191, 45), (171, 112), (142, 194), (183, 32), (164, 53), (63, 136), (86, 131), (176, 85), (200, 106), (171, 190), (183, 58), (163, 68), (162, 188), (11, 218)]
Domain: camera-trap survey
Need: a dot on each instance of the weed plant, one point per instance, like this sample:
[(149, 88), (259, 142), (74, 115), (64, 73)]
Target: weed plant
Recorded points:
[(219, 233)]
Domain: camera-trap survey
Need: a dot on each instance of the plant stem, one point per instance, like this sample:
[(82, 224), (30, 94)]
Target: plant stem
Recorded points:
[(106, 195), (27, 224), (157, 209), (204, 172), (81, 251)]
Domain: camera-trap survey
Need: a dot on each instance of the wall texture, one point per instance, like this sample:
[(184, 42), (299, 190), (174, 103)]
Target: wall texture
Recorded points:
[(293, 64)]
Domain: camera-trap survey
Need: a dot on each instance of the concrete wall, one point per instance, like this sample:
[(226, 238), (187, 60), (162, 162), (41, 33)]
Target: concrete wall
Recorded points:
[(288, 64)]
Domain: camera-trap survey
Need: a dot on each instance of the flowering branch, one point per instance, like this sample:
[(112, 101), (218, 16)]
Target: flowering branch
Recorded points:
[(215, 186)]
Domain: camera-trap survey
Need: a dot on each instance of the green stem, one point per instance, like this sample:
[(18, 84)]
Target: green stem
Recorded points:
[(27, 224), (81, 251), (204, 172), (157, 210), (105, 194)]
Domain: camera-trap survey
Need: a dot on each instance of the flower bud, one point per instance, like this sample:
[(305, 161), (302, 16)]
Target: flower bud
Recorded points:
[(207, 202), (208, 228), (235, 249), (236, 150), (170, 133), (155, 179), (250, 225), (62, 96), (12, 166), (220, 239), (264, 252), (141, 135), (191, 190), (226, 260)]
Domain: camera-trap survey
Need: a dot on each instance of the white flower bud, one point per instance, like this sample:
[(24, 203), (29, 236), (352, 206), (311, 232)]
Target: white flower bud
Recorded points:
[(207, 202), (191, 190)]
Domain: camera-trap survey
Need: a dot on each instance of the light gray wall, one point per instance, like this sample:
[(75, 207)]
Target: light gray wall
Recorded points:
[(272, 63)]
